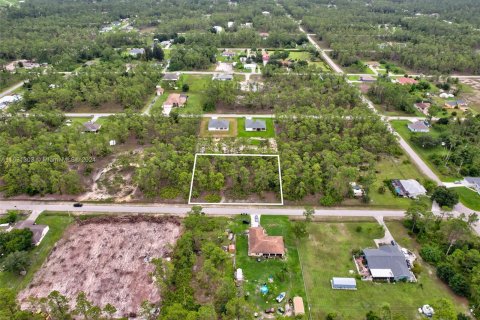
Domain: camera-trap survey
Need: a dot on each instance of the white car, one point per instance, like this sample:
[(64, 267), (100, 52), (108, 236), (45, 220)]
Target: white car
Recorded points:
[(280, 297)]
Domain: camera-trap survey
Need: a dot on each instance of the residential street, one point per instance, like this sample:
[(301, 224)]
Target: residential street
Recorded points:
[(182, 209), (11, 89)]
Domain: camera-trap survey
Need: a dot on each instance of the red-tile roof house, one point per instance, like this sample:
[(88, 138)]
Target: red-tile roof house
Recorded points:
[(175, 100), (404, 80), (261, 244)]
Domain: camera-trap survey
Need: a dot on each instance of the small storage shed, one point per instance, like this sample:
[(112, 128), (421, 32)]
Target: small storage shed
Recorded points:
[(344, 283), (239, 275), (298, 308)]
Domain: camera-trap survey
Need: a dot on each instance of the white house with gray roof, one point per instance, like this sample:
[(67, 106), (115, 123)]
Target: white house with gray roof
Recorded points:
[(218, 125), (419, 126), (255, 125)]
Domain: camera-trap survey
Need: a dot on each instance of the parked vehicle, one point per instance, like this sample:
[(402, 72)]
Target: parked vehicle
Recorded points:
[(280, 297)]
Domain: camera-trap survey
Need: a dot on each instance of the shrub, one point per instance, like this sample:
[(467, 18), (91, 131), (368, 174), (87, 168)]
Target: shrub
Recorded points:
[(16, 261), (169, 193), (213, 198), (417, 269), (381, 189), (185, 87), (431, 253)]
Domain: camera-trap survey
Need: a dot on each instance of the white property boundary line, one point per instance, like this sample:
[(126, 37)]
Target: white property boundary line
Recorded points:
[(237, 203)]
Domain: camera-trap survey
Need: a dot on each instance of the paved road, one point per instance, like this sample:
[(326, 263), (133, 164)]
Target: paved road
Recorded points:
[(325, 56), (11, 89), (182, 209), (419, 162)]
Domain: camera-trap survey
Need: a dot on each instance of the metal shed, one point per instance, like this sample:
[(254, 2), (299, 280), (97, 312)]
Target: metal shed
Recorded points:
[(344, 283)]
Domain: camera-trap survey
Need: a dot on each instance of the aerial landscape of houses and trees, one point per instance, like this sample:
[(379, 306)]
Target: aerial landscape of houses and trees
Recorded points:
[(240, 159)]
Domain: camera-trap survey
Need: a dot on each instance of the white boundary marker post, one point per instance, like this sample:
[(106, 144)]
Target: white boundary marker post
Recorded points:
[(237, 203)]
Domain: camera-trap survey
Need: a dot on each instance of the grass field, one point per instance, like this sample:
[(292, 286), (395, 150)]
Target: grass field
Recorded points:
[(327, 253), (79, 120), (401, 127), (196, 93), (57, 223), (299, 55), (392, 168), (269, 133), (468, 197), (257, 273)]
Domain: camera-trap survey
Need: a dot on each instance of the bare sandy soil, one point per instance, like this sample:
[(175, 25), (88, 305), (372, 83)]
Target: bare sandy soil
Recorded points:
[(474, 96), (109, 259)]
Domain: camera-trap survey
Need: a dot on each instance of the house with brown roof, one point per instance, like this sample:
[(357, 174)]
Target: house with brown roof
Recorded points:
[(262, 245), (422, 107), (175, 100)]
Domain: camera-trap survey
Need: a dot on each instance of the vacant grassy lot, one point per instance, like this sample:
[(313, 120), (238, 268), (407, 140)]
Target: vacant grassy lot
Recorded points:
[(392, 168), (401, 127), (468, 197), (299, 55), (57, 223), (286, 273), (269, 133), (327, 253)]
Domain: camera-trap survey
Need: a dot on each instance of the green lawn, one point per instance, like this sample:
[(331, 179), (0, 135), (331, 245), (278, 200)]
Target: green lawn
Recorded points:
[(327, 253), (257, 273), (196, 93), (468, 197), (80, 120), (269, 133), (57, 223), (401, 127), (299, 55), (392, 168)]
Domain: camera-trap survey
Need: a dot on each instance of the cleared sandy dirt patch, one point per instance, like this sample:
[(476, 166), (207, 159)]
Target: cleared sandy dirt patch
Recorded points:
[(109, 259)]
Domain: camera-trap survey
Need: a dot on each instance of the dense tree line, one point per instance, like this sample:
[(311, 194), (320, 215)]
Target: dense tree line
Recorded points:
[(450, 245), (392, 30), (194, 57), (93, 86), (236, 176)]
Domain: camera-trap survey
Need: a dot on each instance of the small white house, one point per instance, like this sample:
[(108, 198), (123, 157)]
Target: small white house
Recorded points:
[(230, 24), (357, 190), (251, 66)]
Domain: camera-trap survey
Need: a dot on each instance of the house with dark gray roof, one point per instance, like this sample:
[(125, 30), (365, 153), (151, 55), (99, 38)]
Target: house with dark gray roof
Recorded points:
[(90, 126), (223, 77), (218, 125), (255, 125), (388, 263), (419, 126), (171, 76), (136, 52)]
